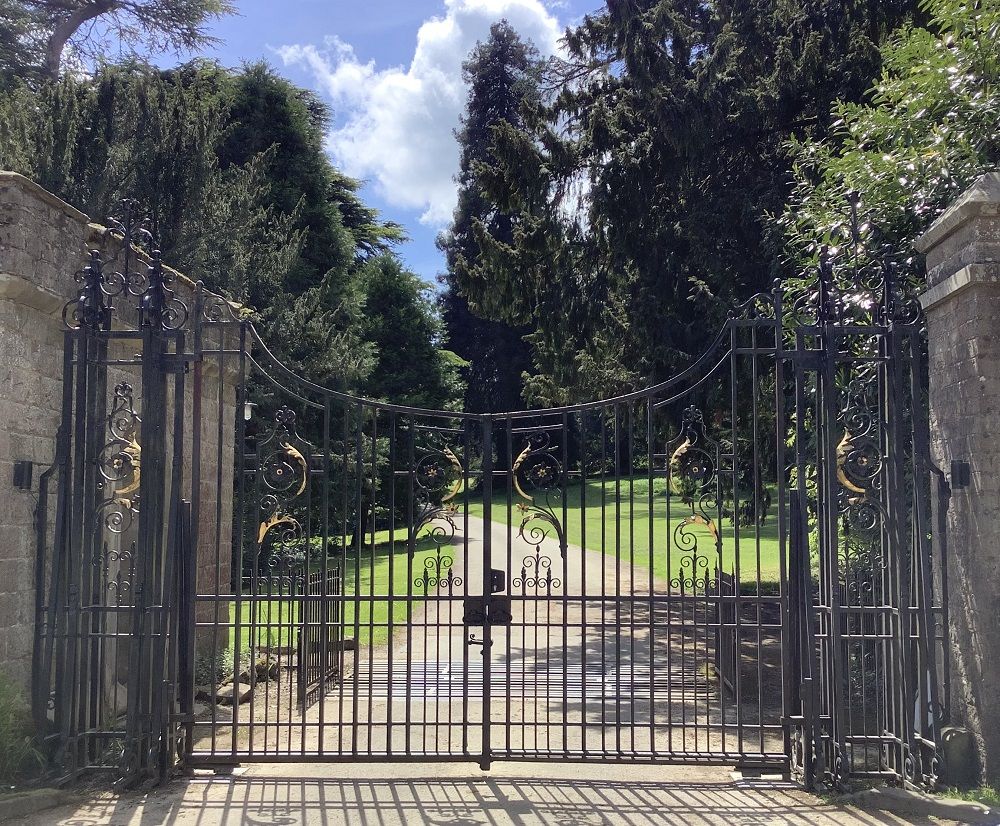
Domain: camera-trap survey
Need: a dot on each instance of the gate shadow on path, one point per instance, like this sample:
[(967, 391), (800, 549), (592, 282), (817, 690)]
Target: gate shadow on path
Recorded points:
[(466, 801)]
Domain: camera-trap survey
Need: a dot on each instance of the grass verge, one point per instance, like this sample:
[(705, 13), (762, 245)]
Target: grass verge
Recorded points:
[(372, 578)]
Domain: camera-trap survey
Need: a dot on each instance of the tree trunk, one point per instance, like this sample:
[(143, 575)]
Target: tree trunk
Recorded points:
[(66, 28)]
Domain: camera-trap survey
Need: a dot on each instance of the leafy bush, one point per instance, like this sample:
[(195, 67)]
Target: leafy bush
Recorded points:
[(927, 130), (19, 752)]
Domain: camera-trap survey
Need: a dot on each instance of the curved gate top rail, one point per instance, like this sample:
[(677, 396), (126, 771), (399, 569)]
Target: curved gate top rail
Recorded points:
[(732, 566)]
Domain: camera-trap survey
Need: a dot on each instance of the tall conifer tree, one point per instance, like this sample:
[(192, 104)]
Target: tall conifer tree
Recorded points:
[(502, 75), (645, 190)]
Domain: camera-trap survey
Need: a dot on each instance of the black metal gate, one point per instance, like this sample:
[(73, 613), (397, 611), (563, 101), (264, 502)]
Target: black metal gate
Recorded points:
[(734, 566)]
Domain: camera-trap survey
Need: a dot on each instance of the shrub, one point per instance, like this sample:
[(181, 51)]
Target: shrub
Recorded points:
[(19, 752)]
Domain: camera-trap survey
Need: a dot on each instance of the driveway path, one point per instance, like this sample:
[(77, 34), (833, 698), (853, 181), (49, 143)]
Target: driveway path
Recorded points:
[(572, 673), (602, 690), (601, 657), (511, 795)]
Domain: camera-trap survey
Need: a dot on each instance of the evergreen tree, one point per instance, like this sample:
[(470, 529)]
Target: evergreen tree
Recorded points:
[(401, 323), (643, 190), (502, 74), (20, 52), (241, 194), (44, 29), (315, 320)]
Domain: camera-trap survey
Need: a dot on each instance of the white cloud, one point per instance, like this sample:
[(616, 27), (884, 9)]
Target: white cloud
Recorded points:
[(396, 125)]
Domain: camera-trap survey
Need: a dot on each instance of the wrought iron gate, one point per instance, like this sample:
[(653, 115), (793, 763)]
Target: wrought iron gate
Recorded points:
[(734, 566)]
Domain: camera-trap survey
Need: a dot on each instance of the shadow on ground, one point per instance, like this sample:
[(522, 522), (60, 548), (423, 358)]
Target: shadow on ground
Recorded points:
[(464, 800)]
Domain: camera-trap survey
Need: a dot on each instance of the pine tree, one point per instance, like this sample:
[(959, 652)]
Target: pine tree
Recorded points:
[(401, 322), (645, 189), (502, 74)]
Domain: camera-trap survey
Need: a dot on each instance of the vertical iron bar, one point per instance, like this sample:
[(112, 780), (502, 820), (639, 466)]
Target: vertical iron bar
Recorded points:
[(585, 588), (564, 623), (327, 625), (781, 427), (390, 648), (486, 757), (242, 528)]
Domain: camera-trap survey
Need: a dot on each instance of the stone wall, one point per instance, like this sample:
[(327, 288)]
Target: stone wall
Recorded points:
[(41, 245), (962, 304), (43, 242)]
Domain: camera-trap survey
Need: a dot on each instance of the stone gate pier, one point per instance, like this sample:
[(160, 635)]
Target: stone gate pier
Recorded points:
[(962, 304)]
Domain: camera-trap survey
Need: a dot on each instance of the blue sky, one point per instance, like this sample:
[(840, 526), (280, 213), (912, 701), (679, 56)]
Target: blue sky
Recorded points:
[(391, 70)]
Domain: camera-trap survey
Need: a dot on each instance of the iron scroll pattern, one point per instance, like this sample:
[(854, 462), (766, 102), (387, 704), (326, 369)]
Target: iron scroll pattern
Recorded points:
[(282, 481), (536, 575), (871, 292), (538, 476), (438, 479), (140, 274), (437, 573), (693, 476), (119, 464), (859, 467)]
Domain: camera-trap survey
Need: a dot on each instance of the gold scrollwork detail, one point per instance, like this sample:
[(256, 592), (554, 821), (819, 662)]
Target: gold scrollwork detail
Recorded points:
[(284, 477), (857, 463), (538, 468)]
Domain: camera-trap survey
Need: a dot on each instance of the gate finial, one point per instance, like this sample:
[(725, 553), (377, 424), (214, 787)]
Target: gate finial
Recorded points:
[(89, 309)]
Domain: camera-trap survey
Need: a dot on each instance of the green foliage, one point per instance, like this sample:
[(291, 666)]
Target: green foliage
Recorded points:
[(401, 324), (502, 75), (216, 668), (19, 52), (19, 752), (641, 189), (235, 237), (36, 33), (926, 131), (131, 130), (267, 111), (135, 132), (987, 795), (242, 196)]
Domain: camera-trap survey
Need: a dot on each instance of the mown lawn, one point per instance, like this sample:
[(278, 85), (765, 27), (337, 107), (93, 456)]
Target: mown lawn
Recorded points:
[(367, 586), (622, 518)]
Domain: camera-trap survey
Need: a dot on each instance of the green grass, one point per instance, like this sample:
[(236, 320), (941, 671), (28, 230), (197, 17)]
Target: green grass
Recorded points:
[(367, 586), (987, 795), (619, 521), (620, 517)]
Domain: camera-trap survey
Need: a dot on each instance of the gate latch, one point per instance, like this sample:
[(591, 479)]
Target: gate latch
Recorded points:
[(492, 610)]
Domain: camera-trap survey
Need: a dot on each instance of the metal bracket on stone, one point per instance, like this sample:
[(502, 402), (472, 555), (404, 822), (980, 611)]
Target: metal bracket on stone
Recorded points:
[(961, 474)]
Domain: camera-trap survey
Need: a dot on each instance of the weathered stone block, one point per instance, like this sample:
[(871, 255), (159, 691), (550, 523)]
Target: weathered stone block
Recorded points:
[(962, 305), (43, 242)]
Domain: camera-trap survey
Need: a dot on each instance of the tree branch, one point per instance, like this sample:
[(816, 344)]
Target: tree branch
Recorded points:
[(65, 29)]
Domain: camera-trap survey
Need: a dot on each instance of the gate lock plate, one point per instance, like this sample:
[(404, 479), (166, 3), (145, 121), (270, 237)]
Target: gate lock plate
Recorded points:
[(492, 610)]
